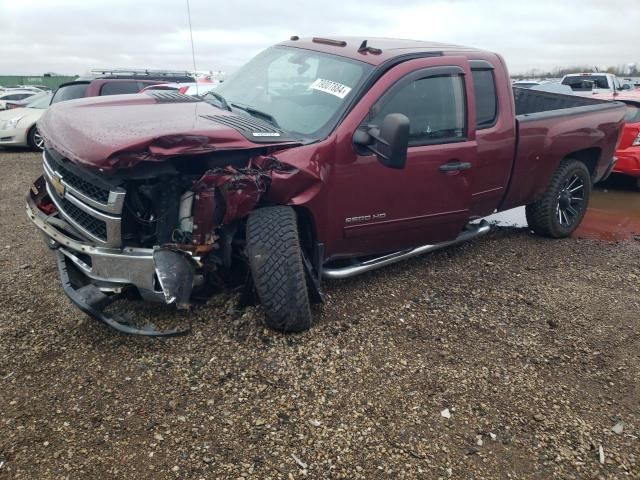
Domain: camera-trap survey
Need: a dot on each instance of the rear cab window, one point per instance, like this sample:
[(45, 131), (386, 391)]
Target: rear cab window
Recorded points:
[(484, 85)]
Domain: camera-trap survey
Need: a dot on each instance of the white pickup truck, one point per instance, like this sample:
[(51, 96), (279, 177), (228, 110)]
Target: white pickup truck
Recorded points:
[(585, 84)]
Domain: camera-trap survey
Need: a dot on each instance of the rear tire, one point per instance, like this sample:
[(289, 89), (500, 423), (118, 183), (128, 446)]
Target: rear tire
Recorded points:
[(275, 258), (564, 203), (34, 139)]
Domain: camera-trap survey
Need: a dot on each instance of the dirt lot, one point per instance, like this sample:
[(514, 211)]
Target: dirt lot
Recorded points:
[(532, 345)]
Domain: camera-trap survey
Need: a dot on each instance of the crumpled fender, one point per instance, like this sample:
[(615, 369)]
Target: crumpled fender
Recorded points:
[(287, 180), (241, 188), (265, 177)]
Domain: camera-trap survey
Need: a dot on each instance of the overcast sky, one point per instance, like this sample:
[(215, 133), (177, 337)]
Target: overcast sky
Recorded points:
[(72, 36)]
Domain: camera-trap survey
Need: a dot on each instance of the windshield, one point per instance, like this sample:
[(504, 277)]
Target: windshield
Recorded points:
[(586, 83), (41, 100), (302, 91)]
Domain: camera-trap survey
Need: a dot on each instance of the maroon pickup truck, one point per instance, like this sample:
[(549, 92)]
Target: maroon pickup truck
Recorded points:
[(320, 158)]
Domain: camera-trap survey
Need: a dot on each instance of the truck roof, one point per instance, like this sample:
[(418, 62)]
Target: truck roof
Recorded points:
[(377, 49)]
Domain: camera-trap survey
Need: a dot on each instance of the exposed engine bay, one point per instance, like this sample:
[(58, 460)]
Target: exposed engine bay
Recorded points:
[(184, 217)]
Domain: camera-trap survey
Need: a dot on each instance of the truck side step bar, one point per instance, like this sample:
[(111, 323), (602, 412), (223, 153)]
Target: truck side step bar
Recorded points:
[(472, 231)]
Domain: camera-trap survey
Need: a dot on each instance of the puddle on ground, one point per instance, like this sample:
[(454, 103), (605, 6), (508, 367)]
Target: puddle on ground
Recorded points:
[(613, 214)]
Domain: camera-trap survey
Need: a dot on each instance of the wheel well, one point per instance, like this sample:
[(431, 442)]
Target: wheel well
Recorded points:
[(306, 228), (588, 156)]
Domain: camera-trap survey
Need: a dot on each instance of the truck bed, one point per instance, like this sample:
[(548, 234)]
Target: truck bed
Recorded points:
[(529, 101), (551, 127)]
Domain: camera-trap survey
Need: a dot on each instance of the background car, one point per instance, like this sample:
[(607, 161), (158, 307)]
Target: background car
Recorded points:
[(14, 94), (115, 82), (43, 88), (10, 104), (18, 126), (587, 84), (552, 87), (525, 83), (193, 89), (628, 151)]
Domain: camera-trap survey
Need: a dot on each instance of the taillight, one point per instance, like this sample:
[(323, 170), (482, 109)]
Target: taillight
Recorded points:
[(630, 137), (183, 90)]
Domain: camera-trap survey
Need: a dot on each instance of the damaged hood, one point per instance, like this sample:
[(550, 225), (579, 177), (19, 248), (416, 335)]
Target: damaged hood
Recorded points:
[(121, 130)]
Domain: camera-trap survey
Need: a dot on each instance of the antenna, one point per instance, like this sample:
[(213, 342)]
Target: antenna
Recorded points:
[(193, 52)]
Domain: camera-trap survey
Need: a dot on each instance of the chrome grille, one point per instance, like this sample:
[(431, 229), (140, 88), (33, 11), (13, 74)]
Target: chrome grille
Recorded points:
[(92, 191), (96, 227), (89, 205)]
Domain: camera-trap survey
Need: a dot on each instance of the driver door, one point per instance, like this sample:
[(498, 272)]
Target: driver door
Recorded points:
[(429, 201)]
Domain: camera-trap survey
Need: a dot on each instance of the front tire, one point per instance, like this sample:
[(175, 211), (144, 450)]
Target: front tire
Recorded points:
[(275, 258), (35, 140), (564, 203)]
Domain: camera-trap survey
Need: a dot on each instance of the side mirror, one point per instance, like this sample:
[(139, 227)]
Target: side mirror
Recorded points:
[(389, 142)]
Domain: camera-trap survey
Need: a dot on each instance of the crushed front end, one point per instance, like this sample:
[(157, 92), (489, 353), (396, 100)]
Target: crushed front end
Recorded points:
[(166, 233)]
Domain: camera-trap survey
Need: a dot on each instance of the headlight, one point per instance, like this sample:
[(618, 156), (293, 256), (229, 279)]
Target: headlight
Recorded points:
[(9, 124)]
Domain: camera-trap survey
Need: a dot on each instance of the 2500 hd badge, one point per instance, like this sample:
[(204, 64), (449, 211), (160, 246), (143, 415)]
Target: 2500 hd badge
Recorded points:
[(365, 218)]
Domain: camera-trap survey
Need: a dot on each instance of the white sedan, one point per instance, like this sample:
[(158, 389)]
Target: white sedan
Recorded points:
[(15, 94), (18, 126)]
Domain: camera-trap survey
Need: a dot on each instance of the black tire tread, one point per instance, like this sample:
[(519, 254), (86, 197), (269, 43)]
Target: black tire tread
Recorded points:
[(541, 214), (30, 140), (275, 260)]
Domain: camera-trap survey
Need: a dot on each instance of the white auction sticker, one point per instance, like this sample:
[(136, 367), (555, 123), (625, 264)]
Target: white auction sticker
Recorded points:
[(330, 87)]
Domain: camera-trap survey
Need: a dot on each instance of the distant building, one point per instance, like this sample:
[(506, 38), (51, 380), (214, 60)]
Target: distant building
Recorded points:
[(50, 80)]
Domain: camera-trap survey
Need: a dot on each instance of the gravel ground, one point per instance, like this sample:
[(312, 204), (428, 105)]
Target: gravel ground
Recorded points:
[(530, 347)]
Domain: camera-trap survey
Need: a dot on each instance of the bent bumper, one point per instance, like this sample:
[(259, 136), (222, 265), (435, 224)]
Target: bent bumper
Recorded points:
[(94, 277), (111, 269), (628, 161)]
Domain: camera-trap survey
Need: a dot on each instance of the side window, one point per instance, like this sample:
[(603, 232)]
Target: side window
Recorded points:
[(486, 101), (435, 106), (119, 88)]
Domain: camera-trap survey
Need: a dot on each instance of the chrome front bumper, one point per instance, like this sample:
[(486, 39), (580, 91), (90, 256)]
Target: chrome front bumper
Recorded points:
[(110, 269), (95, 277)]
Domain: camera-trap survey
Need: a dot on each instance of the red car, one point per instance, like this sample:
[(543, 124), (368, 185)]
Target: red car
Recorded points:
[(320, 158), (628, 151)]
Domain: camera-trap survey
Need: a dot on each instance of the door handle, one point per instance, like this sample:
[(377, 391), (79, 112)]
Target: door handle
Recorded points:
[(454, 166)]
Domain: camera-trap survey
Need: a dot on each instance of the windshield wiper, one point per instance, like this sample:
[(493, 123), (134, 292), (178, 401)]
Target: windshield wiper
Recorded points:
[(223, 102), (257, 113)]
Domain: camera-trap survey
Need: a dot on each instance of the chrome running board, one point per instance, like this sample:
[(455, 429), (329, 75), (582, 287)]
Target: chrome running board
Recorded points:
[(472, 231)]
